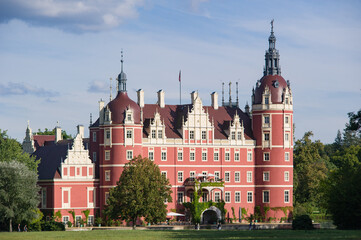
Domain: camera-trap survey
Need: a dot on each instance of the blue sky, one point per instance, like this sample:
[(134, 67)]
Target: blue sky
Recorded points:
[(56, 57)]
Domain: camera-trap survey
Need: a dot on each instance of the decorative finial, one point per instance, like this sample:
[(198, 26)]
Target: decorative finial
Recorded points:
[(28, 123), (91, 119), (110, 88), (57, 124), (222, 93), (272, 25), (230, 94), (237, 93), (121, 60)]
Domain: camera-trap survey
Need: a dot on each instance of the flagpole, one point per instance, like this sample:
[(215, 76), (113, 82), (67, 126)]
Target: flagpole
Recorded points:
[(180, 88)]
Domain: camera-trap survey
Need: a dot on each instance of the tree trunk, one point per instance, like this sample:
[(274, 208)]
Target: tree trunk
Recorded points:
[(10, 225), (134, 223)]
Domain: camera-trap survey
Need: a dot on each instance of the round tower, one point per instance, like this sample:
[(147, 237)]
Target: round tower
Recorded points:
[(272, 123)]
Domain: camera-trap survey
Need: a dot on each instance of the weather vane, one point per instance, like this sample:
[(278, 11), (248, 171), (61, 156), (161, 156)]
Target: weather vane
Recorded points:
[(272, 25)]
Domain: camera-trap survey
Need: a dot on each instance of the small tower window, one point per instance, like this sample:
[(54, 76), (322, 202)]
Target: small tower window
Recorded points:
[(129, 117), (286, 120), (129, 133), (266, 100), (266, 136)]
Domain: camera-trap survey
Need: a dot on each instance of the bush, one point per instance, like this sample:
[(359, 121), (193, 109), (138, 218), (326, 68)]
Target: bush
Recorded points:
[(52, 226), (302, 222), (35, 227), (69, 224)]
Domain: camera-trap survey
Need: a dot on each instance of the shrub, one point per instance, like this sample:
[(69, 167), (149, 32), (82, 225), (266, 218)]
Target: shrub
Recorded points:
[(69, 224), (98, 221), (52, 226), (34, 227), (302, 222)]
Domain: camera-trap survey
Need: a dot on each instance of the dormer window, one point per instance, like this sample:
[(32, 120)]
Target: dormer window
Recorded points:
[(129, 133), (239, 135), (266, 100), (129, 117), (233, 135), (160, 134), (191, 134), (286, 100), (153, 134)]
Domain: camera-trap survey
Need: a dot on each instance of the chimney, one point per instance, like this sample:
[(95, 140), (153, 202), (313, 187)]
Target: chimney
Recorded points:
[(214, 97), (140, 94), (194, 95), (101, 104), (161, 98), (58, 135), (81, 130)]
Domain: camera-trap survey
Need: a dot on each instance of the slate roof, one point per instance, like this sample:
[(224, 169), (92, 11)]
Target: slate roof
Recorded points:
[(41, 140), (51, 156)]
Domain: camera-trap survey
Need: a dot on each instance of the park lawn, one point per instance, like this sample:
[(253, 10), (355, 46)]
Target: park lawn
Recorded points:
[(187, 234)]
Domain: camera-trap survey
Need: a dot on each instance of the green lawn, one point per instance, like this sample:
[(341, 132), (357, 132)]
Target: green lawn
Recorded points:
[(186, 234)]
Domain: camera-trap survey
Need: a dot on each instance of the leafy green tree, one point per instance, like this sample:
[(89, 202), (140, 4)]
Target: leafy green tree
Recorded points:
[(52, 132), (342, 189), (19, 194), (140, 192), (310, 168), (11, 150)]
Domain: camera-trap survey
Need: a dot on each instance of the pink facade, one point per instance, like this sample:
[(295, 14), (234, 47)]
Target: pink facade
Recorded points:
[(250, 151)]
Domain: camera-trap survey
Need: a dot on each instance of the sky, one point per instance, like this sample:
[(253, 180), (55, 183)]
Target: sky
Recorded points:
[(57, 56)]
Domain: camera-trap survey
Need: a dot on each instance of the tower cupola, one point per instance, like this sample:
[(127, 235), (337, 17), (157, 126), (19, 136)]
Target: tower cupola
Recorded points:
[(122, 77), (272, 56)]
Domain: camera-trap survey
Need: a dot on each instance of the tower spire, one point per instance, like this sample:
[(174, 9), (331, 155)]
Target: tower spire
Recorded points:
[(272, 56), (122, 77)]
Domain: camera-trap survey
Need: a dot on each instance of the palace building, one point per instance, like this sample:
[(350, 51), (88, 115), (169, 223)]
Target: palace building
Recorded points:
[(251, 151)]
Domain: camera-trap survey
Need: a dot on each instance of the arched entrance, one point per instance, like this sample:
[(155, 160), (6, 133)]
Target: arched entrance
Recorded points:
[(211, 215)]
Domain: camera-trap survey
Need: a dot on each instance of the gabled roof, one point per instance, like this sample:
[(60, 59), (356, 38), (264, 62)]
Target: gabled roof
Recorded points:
[(41, 140), (51, 156)]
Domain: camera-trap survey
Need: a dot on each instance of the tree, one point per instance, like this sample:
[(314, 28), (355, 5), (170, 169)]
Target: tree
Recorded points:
[(11, 150), (19, 194), (86, 214), (52, 132), (140, 192), (352, 132), (310, 168), (343, 188)]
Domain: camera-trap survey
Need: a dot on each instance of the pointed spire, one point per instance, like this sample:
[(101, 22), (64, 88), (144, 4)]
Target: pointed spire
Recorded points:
[(91, 119), (230, 95), (272, 56), (111, 89), (237, 93), (222, 93), (122, 77)]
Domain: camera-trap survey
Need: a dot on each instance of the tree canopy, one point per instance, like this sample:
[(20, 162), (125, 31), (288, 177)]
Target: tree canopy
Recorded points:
[(140, 192), (19, 194), (11, 150), (52, 132)]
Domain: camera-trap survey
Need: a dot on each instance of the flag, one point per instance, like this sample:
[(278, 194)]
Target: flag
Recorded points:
[(179, 75)]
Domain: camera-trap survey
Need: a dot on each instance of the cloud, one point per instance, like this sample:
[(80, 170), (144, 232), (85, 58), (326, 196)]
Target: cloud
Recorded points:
[(10, 89), (98, 87), (84, 15)]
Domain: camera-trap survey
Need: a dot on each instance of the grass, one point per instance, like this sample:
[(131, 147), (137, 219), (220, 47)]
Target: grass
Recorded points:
[(187, 234)]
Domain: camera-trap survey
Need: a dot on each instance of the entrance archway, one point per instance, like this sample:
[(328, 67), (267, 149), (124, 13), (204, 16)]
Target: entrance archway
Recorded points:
[(211, 215)]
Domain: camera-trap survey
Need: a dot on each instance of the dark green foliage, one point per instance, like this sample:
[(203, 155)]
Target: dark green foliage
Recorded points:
[(52, 226), (19, 194), (35, 227), (72, 212), (11, 150), (302, 222), (52, 132), (86, 214), (140, 192)]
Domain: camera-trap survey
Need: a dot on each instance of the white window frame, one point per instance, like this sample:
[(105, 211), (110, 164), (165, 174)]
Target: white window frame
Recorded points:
[(227, 156), (65, 219), (160, 133), (266, 134), (249, 176), (192, 156), (287, 176), (249, 156), (204, 135), (227, 197), (90, 220), (249, 197), (217, 175), (287, 156), (237, 197), (180, 176), (191, 134), (264, 200), (106, 197), (227, 176), (266, 157), (153, 133), (180, 197), (180, 156), (192, 175), (233, 135), (164, 173), (129, 134), (151, 155), (237, 157), (215, 196), (287, 137), (237, 179), (163, 155), (216, 156), (239, 135), (107, 155), (288, 196), (107, 175), (204, 156), (266, 176), (129, 155), (68, 204)]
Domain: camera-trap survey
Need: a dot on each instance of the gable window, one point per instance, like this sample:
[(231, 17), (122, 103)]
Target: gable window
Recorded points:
[(265, 156), (129, 117), (129, 133), (265, 196), (160, 134), (191, 134), (192, 156), (153, 134), (233, 134), (266, 100), (287, 101), (266, 176), (204, 135), (129, 154), (239, 135)]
